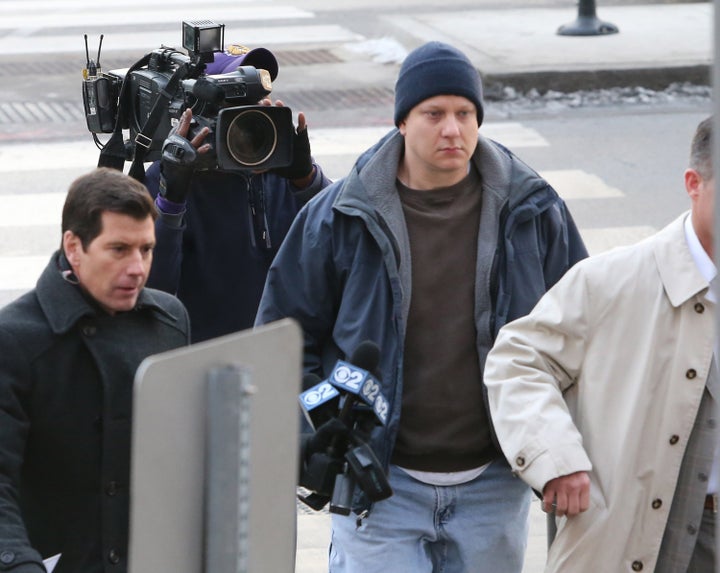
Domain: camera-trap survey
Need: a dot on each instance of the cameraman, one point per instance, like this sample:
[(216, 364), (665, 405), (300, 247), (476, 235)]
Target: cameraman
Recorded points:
[(218, 231)]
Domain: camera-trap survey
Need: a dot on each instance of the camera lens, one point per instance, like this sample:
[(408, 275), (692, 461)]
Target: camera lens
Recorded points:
[(251, 137)]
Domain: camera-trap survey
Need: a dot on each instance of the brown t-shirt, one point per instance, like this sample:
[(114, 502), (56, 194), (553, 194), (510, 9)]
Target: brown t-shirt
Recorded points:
[(443, 425)]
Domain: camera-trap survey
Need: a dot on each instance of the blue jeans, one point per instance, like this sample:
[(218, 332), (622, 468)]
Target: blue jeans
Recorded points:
[(475, 527)]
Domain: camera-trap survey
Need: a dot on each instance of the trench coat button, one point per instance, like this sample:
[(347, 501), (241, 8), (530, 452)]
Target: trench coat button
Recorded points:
[(690, 374), (691, 529), (7, 557), (114, 556), (699, 307), (637, 565), (98, 424), (712, 423), (89, 330), (657, 503), (702, 477), (520, 461), (111, 489), (674, 439)]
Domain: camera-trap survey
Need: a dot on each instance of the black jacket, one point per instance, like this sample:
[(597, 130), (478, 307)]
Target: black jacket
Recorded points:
[(66, 376)]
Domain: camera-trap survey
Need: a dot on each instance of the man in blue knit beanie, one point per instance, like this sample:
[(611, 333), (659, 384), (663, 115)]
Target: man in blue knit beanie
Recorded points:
[(437, 238)]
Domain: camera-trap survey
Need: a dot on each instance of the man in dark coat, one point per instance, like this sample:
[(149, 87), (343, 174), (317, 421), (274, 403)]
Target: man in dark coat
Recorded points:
[(69, 350)]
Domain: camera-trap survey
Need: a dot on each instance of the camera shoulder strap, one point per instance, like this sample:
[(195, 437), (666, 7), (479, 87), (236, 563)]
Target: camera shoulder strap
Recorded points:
[(144, 139)]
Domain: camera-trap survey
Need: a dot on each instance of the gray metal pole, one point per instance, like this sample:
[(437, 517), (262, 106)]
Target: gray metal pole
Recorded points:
[(587, 23), (716, 171), (227, 496)]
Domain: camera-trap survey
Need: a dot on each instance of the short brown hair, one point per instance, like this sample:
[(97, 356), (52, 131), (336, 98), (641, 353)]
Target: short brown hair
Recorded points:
[(101, 190), (701, 149)]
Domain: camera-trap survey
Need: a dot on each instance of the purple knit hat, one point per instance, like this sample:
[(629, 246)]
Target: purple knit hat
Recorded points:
[(236, 55)]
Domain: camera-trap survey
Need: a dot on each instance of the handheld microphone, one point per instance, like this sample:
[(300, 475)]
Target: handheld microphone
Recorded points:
[(319, 400), (356, 380), (348, 461)]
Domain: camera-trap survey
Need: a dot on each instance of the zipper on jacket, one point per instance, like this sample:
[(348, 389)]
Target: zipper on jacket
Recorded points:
[(257, 214)]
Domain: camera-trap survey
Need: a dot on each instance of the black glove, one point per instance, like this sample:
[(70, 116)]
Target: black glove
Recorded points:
[(324, 436), (301, 165), (176, 168)]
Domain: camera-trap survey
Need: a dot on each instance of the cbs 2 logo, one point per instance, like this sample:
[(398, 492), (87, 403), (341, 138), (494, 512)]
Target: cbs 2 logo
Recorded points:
[(350, 378)]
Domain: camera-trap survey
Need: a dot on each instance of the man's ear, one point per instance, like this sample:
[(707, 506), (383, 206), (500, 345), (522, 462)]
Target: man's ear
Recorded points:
[(693, 180), (71, 246)]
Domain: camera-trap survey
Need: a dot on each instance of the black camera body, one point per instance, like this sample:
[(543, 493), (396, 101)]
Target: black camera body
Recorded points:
[(243, 135)]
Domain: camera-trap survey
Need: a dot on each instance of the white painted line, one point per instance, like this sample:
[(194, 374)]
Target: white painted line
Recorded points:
[(513, 134), (31, 209), (59, 17), (577, 184), (146, 41), (18, 273), (78, 155), (325, 142), (68, 6), (604, 239)]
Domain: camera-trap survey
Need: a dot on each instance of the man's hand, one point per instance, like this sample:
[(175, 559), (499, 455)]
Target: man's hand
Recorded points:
[(178, 159), (567, 495), (301, 171)]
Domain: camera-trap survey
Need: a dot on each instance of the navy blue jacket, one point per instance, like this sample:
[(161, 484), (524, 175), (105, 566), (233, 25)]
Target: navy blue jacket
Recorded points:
[(343, 271), (215, 258)]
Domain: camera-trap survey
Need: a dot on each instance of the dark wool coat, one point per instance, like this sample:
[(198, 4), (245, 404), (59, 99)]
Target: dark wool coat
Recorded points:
[(66, 376)]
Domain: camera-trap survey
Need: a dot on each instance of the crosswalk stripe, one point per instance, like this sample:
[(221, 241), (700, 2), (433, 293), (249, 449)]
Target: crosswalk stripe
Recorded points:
[(15, 43), (324, 142), (605, 238), (30, 222), (576, 184), (119, 16), (31, 209), (73, 6), (21, 273)]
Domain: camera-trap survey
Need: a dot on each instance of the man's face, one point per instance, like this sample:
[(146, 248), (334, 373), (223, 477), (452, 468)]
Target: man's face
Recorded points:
[(440, 138), (114, 268), (702, 195)]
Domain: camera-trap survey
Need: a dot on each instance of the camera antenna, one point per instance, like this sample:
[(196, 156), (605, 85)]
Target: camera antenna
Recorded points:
[(90, 69), (99, 67), (87, 57)]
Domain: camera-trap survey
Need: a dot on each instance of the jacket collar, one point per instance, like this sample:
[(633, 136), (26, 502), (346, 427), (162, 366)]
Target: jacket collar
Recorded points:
[(679, 274), (64, 303), (375, 172)]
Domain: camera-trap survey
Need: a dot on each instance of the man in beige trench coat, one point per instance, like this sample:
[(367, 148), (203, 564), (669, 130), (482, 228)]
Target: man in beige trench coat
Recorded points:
[(603, 398)]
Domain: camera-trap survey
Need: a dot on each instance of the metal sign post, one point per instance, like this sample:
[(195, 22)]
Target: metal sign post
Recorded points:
[(215, 455)]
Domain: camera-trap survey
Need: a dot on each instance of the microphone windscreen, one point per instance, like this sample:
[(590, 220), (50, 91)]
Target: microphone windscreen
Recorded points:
[(366, 356)]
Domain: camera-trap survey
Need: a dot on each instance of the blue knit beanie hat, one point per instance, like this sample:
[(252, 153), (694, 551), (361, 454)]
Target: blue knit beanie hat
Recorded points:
[(436, 69)]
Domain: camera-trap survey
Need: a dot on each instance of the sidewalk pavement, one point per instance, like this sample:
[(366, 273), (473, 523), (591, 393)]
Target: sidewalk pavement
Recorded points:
[(657, 44)]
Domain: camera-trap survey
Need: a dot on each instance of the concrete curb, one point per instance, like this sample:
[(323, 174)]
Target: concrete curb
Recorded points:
[(658, 78)]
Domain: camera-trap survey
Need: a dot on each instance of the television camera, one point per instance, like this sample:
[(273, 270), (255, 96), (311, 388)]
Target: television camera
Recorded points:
[(147, 97)]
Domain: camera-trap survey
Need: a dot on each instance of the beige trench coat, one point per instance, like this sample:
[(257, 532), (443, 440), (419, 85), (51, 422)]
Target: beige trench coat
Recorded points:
[(606, 374)]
